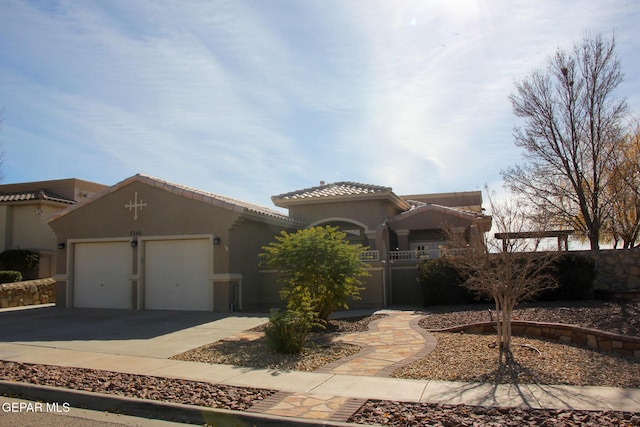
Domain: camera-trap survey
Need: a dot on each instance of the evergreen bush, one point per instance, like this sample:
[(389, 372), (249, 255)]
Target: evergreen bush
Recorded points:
[(22, 260), (8, 276), (576, 275), (441, 283)]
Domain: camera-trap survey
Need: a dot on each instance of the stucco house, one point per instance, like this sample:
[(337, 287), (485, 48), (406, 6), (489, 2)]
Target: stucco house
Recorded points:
[(146, 243), (25, 209), (399, 230)]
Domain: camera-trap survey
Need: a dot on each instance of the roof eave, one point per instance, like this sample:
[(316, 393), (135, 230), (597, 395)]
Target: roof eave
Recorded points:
[(388, 195)]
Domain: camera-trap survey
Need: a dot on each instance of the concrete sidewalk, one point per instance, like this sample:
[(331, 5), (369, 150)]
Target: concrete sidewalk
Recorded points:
[(331, 394), (339, 385)]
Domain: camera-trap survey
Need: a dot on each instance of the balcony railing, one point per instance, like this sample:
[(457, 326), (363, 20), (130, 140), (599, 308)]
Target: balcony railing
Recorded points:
[(414, 255), (419, 254), (370, 256)]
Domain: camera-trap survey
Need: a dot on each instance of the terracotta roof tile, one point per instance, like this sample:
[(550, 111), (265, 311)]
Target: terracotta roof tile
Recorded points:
[(336, 189), (192, 193), (34, 195), (214, 199)]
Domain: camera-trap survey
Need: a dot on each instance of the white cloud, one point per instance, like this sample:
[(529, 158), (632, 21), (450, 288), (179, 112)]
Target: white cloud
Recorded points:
[(251, 99)]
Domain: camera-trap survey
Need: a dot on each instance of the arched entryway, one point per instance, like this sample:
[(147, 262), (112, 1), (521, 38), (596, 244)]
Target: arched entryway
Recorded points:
[(356, 232)]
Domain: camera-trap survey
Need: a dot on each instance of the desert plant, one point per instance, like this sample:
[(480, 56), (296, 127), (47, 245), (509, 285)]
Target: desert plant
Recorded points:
[(500, 270), (288, 330), (318, 267)]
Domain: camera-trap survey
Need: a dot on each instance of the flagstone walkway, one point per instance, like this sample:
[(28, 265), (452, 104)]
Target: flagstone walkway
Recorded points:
[(391, 342)]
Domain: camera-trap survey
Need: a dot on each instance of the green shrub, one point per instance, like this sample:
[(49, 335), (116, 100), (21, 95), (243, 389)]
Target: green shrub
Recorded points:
[(575, 274), (317, 266), (442, 283), (8, 276), (288, 330), (22, 260)]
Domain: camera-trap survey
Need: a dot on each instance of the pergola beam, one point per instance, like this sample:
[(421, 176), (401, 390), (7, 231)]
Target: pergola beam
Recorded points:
[(561, 235)]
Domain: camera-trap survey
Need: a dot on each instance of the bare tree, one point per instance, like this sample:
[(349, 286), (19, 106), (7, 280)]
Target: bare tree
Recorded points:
[(570, 135), (504, 273), (623, 190)]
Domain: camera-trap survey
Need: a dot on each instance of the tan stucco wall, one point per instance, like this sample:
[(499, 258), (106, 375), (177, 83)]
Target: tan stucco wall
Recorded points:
[(23, 227), (372, 296), (242, 235), (430, 220), (245, 245), (5, 227), (165, 214), (369, 212)]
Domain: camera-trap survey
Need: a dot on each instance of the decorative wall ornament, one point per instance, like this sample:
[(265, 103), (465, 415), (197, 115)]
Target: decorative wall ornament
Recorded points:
[(135, 205)]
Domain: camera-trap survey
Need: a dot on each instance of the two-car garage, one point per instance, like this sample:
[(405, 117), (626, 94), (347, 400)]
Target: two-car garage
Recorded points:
[(148, 244), (158, 274)]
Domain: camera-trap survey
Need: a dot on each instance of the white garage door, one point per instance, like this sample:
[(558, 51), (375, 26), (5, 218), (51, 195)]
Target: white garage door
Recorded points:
[(101, 275), (177, 275)]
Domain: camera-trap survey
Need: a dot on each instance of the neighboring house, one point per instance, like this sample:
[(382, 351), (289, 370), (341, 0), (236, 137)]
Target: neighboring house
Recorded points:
[(25, 209), (145, 243)]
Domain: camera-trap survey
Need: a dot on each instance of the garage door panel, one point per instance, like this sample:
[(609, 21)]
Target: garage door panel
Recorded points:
[(177, 275), (102, 275)]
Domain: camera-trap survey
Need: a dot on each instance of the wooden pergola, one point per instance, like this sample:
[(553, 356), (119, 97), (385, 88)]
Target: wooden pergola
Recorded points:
[(561, 235)]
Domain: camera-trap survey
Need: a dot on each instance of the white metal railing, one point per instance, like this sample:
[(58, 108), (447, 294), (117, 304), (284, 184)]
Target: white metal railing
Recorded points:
[(415, 255), (418, 254), (370, 256)]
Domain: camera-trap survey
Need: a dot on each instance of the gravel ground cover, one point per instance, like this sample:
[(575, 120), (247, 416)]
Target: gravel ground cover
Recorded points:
[(556, 363), (620, 318), (139, 386), (424, 414), (319, 351)]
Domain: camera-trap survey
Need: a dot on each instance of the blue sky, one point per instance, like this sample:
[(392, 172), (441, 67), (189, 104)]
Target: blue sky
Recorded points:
[(256, 98)]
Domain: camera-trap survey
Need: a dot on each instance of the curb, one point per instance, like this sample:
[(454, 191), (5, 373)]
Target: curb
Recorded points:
[(152, 409)]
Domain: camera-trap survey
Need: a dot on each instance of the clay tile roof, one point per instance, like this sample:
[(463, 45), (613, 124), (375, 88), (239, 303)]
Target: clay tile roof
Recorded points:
[(336, 189), (418, 207), (224, 201), (27, 196), (188, 192)]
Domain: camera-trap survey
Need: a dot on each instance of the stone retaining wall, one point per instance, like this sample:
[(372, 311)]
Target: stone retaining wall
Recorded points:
[(607, 342), (617, 269), (31, 292)]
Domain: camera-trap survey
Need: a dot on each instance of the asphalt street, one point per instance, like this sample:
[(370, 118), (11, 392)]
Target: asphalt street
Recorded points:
[(18, 412)]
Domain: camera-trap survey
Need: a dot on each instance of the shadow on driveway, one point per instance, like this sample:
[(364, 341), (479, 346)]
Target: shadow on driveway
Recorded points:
[(73, 324)]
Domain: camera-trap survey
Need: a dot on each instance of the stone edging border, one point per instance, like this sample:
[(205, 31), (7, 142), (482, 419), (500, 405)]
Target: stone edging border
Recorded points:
[(430, 344), (365, 350), (153, 409), (595, 339)]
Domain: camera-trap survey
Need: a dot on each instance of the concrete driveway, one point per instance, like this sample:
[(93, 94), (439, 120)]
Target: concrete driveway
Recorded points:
[(159, 334)]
